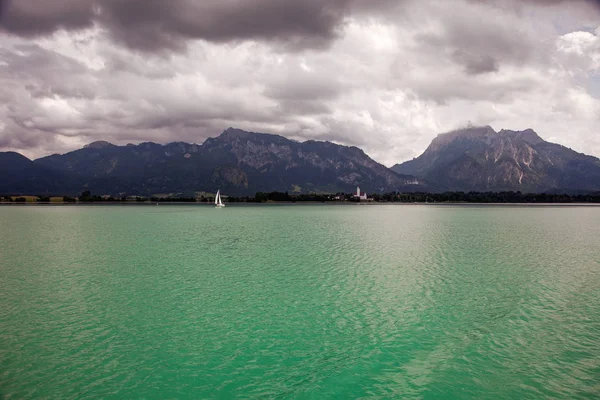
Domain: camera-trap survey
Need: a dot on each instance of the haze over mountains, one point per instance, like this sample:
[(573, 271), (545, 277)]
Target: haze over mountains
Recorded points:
[(242, 163)]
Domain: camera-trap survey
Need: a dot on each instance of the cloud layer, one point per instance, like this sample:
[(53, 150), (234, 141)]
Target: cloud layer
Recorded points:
[(383, 75)]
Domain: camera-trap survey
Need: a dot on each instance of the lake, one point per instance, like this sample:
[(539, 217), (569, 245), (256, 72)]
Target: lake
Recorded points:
[(299, 301)]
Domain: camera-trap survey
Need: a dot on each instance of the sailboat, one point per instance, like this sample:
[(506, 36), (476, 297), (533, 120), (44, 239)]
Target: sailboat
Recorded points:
[(218, 202)]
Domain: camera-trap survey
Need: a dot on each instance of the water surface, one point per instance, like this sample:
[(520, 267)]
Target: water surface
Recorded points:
[(311, 302)]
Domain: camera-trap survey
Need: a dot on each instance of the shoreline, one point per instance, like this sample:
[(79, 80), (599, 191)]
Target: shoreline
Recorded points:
[(312, 203)]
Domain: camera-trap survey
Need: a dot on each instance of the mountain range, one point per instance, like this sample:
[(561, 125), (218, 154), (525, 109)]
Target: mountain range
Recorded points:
[(237, 162), (243, 163)]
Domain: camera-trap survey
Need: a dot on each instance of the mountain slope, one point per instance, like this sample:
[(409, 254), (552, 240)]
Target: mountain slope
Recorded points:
[(20, 175), (237, 162), (481, 159)]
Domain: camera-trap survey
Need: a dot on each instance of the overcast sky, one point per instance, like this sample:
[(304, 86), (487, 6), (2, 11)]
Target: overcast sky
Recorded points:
[(384, 75)]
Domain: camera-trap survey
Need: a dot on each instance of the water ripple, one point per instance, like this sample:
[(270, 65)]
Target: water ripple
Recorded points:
[(299, 302)]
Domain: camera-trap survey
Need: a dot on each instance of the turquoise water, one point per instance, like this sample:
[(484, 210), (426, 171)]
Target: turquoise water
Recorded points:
[(310, 302)]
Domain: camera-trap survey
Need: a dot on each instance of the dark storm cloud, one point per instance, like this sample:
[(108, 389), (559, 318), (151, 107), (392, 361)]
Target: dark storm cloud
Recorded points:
[(156, 25), (151, 25), (41, 17), (159, 25)]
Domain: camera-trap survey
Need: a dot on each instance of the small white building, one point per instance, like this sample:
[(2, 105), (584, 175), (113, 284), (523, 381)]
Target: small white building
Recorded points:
[(359, 194)]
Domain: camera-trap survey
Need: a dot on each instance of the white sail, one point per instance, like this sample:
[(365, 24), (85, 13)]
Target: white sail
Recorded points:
[(218, 201)]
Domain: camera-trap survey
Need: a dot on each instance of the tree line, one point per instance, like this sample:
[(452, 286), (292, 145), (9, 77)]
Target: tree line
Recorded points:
[(423, 197), (392, 197)]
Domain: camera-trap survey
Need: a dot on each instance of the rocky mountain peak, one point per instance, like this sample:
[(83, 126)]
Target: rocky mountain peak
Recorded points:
[(234, 133), (470, 133), (99, 144), (528, 135), (480, 159)]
